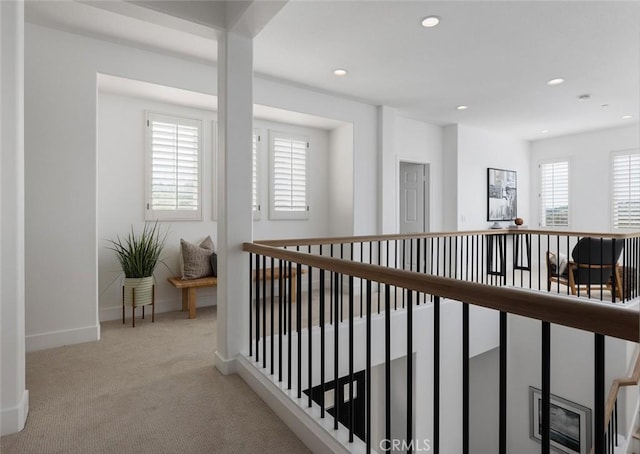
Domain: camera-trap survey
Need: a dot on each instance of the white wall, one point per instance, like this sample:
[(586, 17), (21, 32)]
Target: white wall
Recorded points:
[(14, 398), (450, 178), (405, 139), (341, 181), (364, 120), (589, 156), (60, 155), (571, 372), (61, 172), (319, 157), (420, 142), (484, 400), (121, 195), (478, 150)]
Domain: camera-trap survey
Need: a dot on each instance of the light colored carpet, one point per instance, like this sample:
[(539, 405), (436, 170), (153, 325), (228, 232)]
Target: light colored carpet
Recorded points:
[(148, 389)]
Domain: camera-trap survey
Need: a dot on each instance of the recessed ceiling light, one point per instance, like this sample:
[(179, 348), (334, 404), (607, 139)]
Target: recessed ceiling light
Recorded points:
[(462, 107), (340, 72), (430, 21), (556, 81), (605, 105), (544, 131), (626, 117)]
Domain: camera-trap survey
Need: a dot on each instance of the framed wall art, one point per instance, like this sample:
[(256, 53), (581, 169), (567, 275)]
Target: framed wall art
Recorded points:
[(502, 195), (570, 423)]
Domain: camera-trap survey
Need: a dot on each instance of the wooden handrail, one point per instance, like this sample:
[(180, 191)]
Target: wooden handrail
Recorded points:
[(602, 318), (615, 389), (372, 238)]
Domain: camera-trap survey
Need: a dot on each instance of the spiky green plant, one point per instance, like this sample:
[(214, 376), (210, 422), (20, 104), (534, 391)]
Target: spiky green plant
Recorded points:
[(139, 254)]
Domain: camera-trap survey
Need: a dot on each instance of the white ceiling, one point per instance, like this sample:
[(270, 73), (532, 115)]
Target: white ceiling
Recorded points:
[(494, 57)]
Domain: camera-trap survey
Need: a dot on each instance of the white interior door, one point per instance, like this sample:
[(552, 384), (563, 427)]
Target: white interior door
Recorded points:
[(413, 189), (413, 211)]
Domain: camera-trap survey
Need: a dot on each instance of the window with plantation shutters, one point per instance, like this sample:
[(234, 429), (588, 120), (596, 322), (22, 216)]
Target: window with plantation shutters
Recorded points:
[(626, 189), (256, 155), (289, 177), (173, 168), (554, 194)]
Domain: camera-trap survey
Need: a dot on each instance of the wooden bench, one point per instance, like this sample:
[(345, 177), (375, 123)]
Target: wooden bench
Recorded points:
[(189, 286)]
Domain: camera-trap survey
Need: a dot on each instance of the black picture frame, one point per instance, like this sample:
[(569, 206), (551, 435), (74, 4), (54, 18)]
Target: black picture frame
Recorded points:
[(502, 194), (570, 423)]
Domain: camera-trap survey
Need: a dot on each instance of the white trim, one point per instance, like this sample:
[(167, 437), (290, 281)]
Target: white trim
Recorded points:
[(613, 155), (224, 365), (172, 214), (63, 337), (314, 432), (288, 215), (427, 188), (13, 419), (214, 171), (541, 162), (259, 153)]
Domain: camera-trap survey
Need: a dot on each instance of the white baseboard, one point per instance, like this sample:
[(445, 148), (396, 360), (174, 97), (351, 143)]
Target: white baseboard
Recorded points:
[(63, 337), (13, 419), (224, 365), (315, 433)]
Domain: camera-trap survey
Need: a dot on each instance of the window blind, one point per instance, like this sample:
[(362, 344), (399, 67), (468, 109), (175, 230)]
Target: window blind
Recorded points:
[(289, 176), (554, 194), (175, 167), (626, 190)]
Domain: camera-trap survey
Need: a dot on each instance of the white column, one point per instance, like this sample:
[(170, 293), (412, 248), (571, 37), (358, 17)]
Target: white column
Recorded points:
[(14, 398), (235, 220), (388, 193)]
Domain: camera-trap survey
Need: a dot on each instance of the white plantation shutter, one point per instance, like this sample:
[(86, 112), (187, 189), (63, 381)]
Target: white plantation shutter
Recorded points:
[(626, 190), (289, 179), (255, 202), (554, 194), (173, 168)]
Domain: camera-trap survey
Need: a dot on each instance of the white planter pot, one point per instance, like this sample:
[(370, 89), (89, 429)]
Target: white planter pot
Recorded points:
[(139, 290)]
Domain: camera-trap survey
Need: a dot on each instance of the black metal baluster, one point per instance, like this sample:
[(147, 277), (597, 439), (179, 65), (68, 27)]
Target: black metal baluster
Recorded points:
[(264, 311), (466, 262), (257, 284), (395, 265), (341, 288), (465, 378), (351, 405), (250, 305), (331, 283), (387, 360), (410, 370), (289, 332), (280, 315), (368, 368), (336, 338), (322, 340), (502, 432), (599, 383), (436, 375), (309, 329), (299, 324), (273, 334), (546, 386)]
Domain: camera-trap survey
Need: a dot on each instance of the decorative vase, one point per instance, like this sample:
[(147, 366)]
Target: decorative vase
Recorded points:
[(519, 221), (138, 289)]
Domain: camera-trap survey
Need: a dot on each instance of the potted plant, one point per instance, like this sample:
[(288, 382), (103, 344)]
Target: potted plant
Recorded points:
[(139, 255)]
